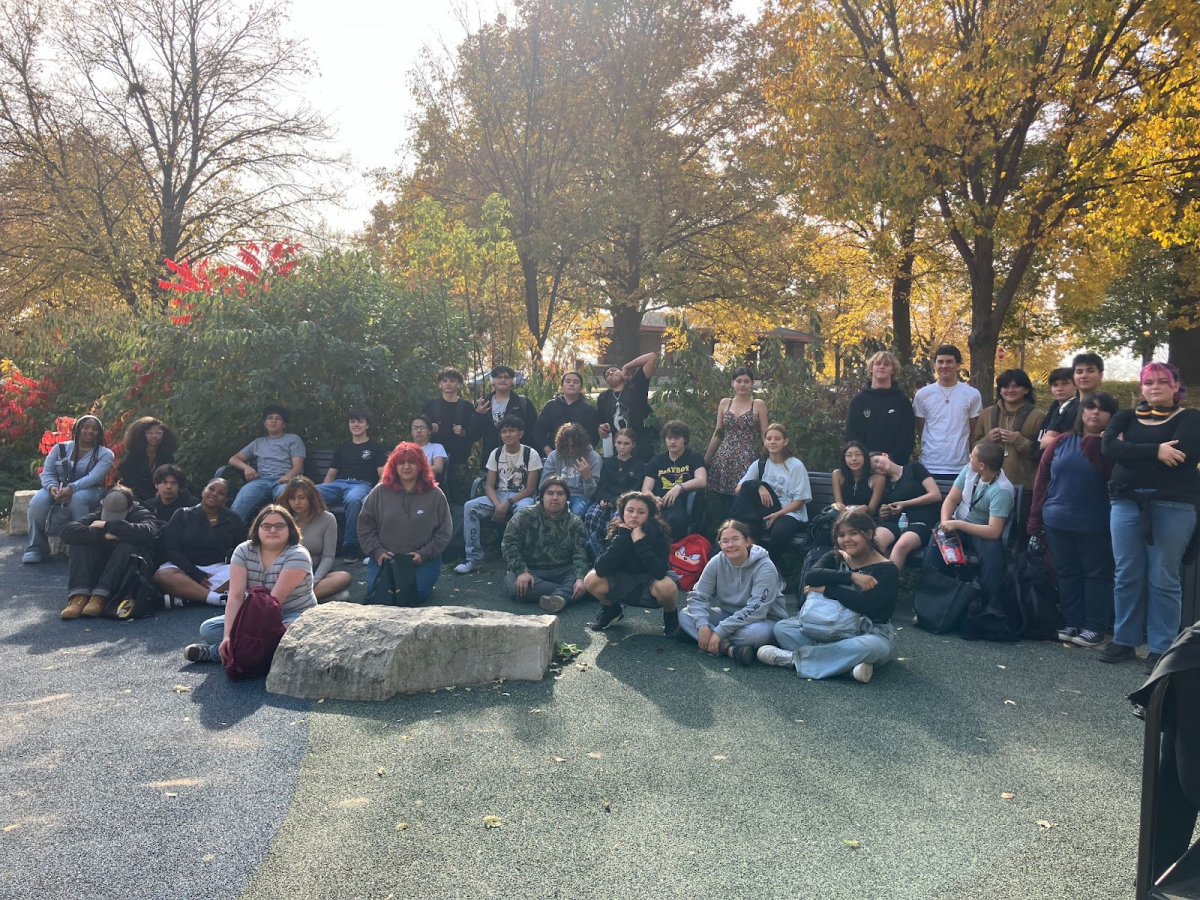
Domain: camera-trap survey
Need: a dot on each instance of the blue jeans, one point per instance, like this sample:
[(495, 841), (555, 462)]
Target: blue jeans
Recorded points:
[(579, 504), (991, 562), (1146, 590), (753, 633), (474, 511), (254, 494), (350, 493), (817, 659), (212, 631), (1084, 562), (427, 576), (81, 503)]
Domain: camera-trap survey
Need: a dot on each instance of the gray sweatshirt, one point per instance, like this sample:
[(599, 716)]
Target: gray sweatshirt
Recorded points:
[(751, 592)]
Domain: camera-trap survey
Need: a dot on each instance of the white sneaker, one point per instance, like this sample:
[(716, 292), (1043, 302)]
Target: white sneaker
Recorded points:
[(465, 568), (339, 597), (863, 672), (771, 655)]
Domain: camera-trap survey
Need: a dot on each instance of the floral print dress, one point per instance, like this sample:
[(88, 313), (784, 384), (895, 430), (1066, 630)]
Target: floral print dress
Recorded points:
[(738, 449)]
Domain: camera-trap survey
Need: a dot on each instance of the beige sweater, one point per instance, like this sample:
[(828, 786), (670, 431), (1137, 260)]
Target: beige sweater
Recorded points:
[(400, 522)]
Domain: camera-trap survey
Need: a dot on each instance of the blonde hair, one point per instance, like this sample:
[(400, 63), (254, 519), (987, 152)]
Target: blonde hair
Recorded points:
[(887, 357)]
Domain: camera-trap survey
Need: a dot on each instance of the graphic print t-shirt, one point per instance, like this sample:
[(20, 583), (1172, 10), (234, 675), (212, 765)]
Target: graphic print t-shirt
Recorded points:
[(667, 472), (512, 475), (359, 462)]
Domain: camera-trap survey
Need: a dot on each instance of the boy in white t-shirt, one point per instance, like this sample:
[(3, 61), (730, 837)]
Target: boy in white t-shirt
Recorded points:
[(946, 411), (512, 480)]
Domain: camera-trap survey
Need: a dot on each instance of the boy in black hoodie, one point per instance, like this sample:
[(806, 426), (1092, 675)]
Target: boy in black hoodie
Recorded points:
[(881, 416), (569, 406)]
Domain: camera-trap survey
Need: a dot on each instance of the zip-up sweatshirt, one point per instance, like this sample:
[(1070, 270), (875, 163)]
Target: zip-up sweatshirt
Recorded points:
[(751, 592)]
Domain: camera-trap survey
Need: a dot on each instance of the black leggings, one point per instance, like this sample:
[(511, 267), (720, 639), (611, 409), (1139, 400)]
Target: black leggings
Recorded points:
[(778, 538)]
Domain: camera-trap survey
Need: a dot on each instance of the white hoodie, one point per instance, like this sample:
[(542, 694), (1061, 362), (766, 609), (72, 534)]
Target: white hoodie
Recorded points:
[(751, 592)]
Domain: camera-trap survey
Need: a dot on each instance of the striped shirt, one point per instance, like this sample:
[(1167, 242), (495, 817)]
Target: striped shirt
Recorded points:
[(294, 557)]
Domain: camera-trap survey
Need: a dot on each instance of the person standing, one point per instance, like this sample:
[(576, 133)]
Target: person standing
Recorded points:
[(568, 406), (148, 444), (450, 418), (1086, 374), (1060, 417), (880, 416), (945, 413), (357, 465), (502, 401), (1013, 423), (741, 424), (1154, 491), (626, 403)]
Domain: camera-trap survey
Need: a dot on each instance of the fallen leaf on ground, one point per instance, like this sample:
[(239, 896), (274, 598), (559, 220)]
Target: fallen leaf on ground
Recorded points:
[(853, 845), (1045, 825), (595, 754), (401, 826), (1010, 702), (492, 821), (13, 827), (558, 758), (322, 700), (724, 670), (407, 737), (381, 772), (1001, 667), (207, 857), (353, 803), (181, 688), (1007, 796), (607, 806), (170, 794), (670, 668), (719, 757)]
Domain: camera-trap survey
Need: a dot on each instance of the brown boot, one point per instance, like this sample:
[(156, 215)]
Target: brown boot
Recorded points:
[(74, 606), (95, 606)]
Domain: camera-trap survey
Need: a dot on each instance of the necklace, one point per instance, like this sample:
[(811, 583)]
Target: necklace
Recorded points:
[(946, 395)]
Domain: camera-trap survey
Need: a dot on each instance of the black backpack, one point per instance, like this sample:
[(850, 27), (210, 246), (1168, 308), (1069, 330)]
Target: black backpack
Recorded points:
[(137, 596), (1037, 598), (747, 506), (396, 584)]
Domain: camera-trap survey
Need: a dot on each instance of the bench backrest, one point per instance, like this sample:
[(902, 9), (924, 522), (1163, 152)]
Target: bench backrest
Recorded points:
[(316, 464)]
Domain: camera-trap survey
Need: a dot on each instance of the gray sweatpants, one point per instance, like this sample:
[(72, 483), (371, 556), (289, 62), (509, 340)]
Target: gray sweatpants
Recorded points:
[(545, 581), (753, 633)]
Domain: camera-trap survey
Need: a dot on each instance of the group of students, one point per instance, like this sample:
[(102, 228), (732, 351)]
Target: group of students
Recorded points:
[(1114, 491)]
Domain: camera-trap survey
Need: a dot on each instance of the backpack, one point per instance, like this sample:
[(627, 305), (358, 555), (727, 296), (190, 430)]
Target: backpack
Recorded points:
[(137, 596), (256, 632), (396, 583), (1000, 619), (1037, 598), (688, 559), (747, 506)]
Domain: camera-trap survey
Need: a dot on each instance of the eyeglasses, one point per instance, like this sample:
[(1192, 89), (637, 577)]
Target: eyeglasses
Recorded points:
[(420, 428), (730, 542), (273, 526)]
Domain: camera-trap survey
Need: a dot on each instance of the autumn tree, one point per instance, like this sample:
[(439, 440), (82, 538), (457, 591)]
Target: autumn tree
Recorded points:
[(146, 130), (1012, 110)]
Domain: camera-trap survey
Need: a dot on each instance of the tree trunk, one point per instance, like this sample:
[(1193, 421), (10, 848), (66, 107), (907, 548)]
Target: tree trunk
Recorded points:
[(533, 318), (902, 296), (627, 335), (1183, 344), (985, 326)]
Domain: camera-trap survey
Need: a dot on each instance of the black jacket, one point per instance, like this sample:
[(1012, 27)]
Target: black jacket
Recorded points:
[(163, 512), (138, 527), (645, 557), (189, 541), (558, 413), (618, 476), (135, 473), (882, 418), (483, 429)]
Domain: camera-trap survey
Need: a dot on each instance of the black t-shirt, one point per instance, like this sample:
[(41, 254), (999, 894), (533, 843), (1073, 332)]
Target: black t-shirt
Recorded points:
[(909, 487), (630, 408), (359, 462), (447, 415), (1060, 418), (667, 472)]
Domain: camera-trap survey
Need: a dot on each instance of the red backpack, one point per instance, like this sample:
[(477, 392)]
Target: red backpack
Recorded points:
[(255, 634), (688, 558)]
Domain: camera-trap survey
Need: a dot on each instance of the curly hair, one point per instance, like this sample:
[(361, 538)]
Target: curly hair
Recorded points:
[(656, 519), (135, 437), (572, 441), (407, 451)]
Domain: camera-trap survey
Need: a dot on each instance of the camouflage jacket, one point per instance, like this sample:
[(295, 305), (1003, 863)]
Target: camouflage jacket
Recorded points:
[(534, 540)]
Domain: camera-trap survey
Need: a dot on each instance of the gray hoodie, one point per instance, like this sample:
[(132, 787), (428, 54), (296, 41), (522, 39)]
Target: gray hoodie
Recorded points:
[(751, 592)]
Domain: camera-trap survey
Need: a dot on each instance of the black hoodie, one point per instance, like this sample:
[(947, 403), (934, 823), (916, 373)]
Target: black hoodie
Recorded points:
[(882, 418), (559, 412)]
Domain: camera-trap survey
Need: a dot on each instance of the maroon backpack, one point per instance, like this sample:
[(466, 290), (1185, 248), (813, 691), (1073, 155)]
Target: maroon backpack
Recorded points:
[(256, 633)]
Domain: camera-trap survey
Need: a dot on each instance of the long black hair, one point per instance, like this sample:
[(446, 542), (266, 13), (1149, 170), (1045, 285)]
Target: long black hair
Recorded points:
[(847, 475), (656, 519)]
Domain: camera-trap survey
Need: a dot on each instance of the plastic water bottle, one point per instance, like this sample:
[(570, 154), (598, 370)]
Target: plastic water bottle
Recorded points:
[(903, 522)]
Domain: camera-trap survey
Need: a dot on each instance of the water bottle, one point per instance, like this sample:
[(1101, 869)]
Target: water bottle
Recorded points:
[(903, 523)]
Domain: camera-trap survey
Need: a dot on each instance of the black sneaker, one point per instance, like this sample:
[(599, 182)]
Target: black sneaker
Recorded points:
[(197, 653), (1115, 653), (1152, 661), (670, 622), (745, 654), (352, 553), (608, 615)]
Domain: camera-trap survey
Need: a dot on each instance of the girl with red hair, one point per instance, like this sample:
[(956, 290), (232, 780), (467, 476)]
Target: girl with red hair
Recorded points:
[(406, 513)]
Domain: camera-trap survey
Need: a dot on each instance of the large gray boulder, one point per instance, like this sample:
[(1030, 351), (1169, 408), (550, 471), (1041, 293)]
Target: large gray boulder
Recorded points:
[(349, 652), (18, 519)]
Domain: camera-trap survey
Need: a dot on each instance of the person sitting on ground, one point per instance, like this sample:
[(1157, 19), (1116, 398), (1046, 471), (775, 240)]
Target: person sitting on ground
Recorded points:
[(197, 544), (420, 429), (1013, 423), (357, 465), (863, 580), (274, 559), (513, 471), (673, 474), (626, 403), (73, 473), (569, 406), (1060, 417), (500, 402), (148, 444), (913, 493), (854, 484), (406, 513), (787, 479), (543, 549), (976, 509), (634, 567), (170, 493), (318, 535), (620, 474), (278, 458), (99, 548), (1070, 503), (734, 606), (880, 416), (577, 463)]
